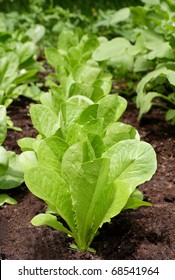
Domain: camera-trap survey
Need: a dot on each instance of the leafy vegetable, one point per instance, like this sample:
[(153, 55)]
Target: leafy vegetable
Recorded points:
[(76, 71), (11, 174), (87, 191), (88, 165), (154, 79)]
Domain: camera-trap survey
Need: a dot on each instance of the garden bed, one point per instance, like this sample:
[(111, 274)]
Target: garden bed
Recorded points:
[(146, 233)]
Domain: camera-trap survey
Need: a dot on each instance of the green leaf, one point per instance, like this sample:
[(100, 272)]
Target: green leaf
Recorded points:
[(142, 63), (26, 143), (86, 182), (49, 220), (104, 83), (54, 57), (146, 103), (36, 33), (4, 36), (170, 116), (3, 124), (13, 176), (26, 51), (142, 100), (114, 48), (117, 132), (5, 198), (152, 39), (9, 67), (132, 162), (88, 114), (134, 203), (71, 110), (3, 161), (44, 120), (49, 186), (86, 73), (111, 107), (164, 51), (51, 151), (25, 77), (28, 160), (120, 15), (97, 144)]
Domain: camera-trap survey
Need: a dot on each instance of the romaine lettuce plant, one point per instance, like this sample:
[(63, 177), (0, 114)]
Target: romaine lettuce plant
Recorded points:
[(87, 167), (84, 190), (11, 173), (75, 69), (152, 86)]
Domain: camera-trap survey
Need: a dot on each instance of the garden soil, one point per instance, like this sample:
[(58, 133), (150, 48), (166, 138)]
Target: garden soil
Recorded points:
[(147, 233)]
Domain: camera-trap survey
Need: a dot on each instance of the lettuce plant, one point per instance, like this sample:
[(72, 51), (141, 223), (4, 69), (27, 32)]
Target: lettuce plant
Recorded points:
[(11, 174), (152, 86), (75, 69), (86, 191), (87, 168)]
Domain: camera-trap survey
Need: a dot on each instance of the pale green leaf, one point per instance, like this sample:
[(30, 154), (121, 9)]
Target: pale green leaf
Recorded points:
[(49, 220), (120, 15), (88, 114), (51, 151), (36, 32), (54, 57), (26, 143), (5, 198), (9, 69), (85, 73), (26, 51), (25, 77), (13, 176), (44, 120), (86, 185), (111, 107), (146, 103), (28, 160), (117, 132), (115, 47), (132, 162), (49, 186), (134, 203), (3, 161)]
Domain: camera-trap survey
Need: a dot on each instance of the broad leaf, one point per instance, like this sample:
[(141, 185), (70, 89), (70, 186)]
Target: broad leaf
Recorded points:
[(114, 48), (111, 108), (44, 120), (49, 186)]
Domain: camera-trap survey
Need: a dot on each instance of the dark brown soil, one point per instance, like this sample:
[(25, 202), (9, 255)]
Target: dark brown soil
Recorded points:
[(146, 233)]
